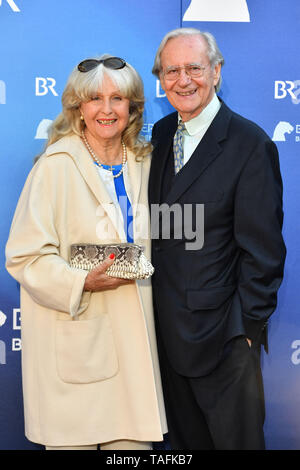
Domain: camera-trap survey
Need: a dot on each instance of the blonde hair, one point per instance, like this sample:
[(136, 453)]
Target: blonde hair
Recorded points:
[(82, 86)]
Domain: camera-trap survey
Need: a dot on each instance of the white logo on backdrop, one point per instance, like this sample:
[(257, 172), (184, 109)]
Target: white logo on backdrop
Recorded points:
[(12, 5), (159, 91), (295, 358), (42, 129), (296, 92), (3, 318), (16, 343), (147, 130), (217, 10), (2, 92), (288, 87), (2, 352), (282, 128), (44, 85)]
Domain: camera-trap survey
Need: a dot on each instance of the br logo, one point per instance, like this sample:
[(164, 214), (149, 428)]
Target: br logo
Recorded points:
[(217, 10), (281, 129), (12, 5)]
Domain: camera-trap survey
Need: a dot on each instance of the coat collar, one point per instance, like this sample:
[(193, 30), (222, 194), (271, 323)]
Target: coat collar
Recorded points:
[(74, 147), (205, 153)]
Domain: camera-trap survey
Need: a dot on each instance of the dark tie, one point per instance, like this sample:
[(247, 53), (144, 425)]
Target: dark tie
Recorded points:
[(178, 147)]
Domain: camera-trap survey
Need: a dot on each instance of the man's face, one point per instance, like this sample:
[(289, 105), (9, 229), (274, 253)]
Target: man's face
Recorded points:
[(188, 95)]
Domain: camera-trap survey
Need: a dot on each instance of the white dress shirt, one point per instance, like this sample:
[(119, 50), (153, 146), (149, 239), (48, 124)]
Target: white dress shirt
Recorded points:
[(196, 127)]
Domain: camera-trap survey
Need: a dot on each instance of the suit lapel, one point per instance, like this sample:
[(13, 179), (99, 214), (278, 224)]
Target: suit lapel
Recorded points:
[(161, 153), (206, 152)]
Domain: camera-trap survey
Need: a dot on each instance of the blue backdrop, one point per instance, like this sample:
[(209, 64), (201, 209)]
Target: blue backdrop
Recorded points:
[(42, 40)]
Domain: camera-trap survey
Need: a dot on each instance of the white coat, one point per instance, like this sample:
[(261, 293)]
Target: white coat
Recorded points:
[(89, 360)]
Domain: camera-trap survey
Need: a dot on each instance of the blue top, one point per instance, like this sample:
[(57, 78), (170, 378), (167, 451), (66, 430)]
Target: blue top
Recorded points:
[(123, 200)]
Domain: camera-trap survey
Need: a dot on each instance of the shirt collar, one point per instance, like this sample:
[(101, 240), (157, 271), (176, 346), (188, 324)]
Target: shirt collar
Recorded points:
[(195, 125)]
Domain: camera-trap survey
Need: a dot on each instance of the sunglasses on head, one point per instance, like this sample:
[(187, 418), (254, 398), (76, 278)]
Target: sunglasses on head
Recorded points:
[(114, 63)]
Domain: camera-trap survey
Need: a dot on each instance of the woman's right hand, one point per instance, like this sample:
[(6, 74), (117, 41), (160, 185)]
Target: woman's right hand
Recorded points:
[(97, 279)]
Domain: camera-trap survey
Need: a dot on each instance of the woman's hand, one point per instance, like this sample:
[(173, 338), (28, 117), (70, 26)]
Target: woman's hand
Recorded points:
[(97, 279)]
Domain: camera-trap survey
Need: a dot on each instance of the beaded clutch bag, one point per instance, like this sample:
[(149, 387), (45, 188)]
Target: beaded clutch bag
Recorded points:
[(130, 261)]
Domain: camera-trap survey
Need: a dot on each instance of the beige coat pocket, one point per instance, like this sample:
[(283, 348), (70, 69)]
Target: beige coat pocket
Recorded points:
[(85, 350)]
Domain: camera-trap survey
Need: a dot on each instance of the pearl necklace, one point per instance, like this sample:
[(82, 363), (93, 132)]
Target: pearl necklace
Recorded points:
[(94, 156)]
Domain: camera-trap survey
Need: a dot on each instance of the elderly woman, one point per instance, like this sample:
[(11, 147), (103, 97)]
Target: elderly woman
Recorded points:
[(90, 367)]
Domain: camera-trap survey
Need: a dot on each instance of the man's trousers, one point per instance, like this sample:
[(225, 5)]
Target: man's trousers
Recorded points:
[(223, 410)]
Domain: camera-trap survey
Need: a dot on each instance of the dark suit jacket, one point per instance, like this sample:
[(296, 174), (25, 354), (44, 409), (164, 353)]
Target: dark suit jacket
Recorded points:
[(205, 297)]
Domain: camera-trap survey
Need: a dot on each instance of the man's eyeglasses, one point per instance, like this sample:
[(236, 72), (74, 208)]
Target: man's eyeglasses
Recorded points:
[(114, 63), (192, 70)]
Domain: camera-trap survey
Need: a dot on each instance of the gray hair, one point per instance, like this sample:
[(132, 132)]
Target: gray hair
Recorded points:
[(214, 54)]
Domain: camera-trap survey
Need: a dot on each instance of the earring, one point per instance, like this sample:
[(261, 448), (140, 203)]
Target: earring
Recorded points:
[(81, 117)]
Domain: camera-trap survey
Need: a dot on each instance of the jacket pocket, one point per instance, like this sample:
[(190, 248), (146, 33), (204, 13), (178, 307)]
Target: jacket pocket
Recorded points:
[(209, 298), (85, 350)]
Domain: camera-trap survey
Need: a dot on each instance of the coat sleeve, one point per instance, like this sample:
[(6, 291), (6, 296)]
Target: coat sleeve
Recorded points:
[(257, 229), (33, 248)]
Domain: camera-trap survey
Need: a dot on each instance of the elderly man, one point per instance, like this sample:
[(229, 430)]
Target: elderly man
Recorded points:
[(212, 299)]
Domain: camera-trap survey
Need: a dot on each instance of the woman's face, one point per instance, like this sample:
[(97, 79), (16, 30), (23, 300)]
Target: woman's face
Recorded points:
[(106, 115)]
